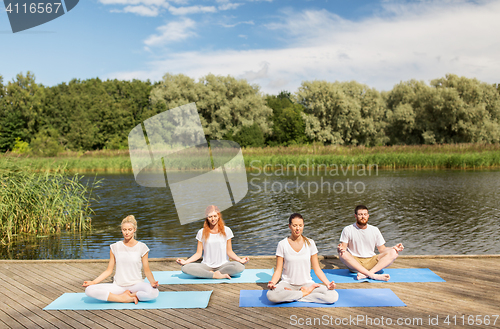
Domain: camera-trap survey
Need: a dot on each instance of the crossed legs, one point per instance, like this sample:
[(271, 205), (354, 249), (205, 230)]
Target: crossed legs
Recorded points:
[(225, 271), (314, 293), (384, 259), (114, 293)]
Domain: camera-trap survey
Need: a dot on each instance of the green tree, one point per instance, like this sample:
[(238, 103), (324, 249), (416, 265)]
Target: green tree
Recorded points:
[(451, 110), (288, 124), (95, 114), (250, 136), (342, 113), (225, 104), (20, 110), (47, 142)]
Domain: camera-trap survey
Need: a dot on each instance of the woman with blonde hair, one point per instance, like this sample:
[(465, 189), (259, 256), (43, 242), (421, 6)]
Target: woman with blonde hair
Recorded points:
[(128, 285), (214, 242), (295, 256)]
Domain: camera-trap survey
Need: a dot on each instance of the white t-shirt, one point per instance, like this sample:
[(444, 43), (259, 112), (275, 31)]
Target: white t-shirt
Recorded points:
[(362, 242), (128, 263), (296, 265), (215, 248)]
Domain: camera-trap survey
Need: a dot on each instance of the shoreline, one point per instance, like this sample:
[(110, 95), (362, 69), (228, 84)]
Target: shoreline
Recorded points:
[(467, 156), (440, 161)]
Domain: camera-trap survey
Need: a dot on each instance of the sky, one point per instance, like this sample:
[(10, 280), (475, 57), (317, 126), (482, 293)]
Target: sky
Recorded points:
[(275, 44)]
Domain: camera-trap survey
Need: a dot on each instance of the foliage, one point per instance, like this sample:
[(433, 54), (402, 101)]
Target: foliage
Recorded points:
[(47, 142), (20, 110), (288, 124), (93, 114), (21, 147), (250, 136), (42, 202), (84, 115), (225, 104), (346, 113), (451, 110)]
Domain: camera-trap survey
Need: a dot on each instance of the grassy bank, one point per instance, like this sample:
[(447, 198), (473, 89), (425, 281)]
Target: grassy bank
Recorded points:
[(448, 156)]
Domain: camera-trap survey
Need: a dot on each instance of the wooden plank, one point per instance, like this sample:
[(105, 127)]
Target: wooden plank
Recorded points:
[(7, 320), (23, 315), (471, 288), (31, 302), (50, 294)]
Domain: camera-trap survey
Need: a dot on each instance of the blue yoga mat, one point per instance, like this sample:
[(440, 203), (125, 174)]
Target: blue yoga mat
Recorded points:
[(397, 275), (166, 299), (247, 276), (347, 298)]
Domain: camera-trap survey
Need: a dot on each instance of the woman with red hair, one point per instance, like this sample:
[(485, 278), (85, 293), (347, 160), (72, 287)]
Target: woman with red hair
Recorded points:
[(214, 241)]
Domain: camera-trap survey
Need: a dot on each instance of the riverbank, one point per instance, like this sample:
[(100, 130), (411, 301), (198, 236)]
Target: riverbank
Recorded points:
[(469, 294), (447, 156)]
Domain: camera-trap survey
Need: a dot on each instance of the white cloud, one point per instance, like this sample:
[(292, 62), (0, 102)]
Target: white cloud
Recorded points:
[(423, 42), (191, 10), (228, 6), (172, 32), (252, 75), (134, 2), (236, 24), (142, 10)]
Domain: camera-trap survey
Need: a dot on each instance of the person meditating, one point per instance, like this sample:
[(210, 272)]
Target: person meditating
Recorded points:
[(357, 244), (294, 257), (214, 241), (128, 285)]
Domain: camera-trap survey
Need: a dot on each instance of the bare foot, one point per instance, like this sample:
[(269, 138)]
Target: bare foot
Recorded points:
[(126, 298), (381, 277), (307, 290), (361, 276), (219, 275)]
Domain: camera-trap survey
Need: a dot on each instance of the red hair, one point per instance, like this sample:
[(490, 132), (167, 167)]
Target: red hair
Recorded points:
[(206, 225)]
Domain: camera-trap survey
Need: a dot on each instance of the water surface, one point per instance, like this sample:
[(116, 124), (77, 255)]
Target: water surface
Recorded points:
[(430, 212)]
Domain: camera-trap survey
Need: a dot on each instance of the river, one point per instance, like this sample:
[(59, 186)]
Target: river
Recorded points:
[(430, 211)]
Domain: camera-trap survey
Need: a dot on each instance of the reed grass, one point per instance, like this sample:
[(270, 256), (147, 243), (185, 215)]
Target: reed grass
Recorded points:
[(489, 159), (445, 156), (40, 203)]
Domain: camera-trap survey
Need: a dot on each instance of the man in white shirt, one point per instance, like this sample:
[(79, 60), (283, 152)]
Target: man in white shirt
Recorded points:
[(357, 244)]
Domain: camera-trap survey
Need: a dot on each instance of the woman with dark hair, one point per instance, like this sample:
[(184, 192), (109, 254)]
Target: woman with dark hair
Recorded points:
[(214, 242), (295, 256), (128, 285)]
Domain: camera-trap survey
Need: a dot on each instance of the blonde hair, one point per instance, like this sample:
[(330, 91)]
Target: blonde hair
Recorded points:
[(130, 219)]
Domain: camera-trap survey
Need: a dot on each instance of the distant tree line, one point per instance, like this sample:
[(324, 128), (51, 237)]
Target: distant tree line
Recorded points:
[(94, 114)]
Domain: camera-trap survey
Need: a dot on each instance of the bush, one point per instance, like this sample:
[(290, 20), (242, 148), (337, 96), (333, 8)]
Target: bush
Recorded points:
[(250, 136)]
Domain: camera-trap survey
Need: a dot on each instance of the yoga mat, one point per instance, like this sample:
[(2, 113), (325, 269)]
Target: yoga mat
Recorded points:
[(247, 276), (397, 275), (166, 299), (347, 298)]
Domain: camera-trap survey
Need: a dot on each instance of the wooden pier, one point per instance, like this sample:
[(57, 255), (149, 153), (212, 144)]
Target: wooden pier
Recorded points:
[(471, 292)]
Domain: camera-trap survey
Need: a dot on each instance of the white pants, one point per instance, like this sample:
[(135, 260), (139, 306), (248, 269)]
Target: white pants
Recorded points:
[(319, 295), (101, 291)]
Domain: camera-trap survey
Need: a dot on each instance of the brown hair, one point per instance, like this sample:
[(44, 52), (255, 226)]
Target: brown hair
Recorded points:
[(297, 215), (206, 225), (360, 207)]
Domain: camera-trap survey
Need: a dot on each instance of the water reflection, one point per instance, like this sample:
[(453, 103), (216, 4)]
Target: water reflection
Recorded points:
[(431, 212)]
